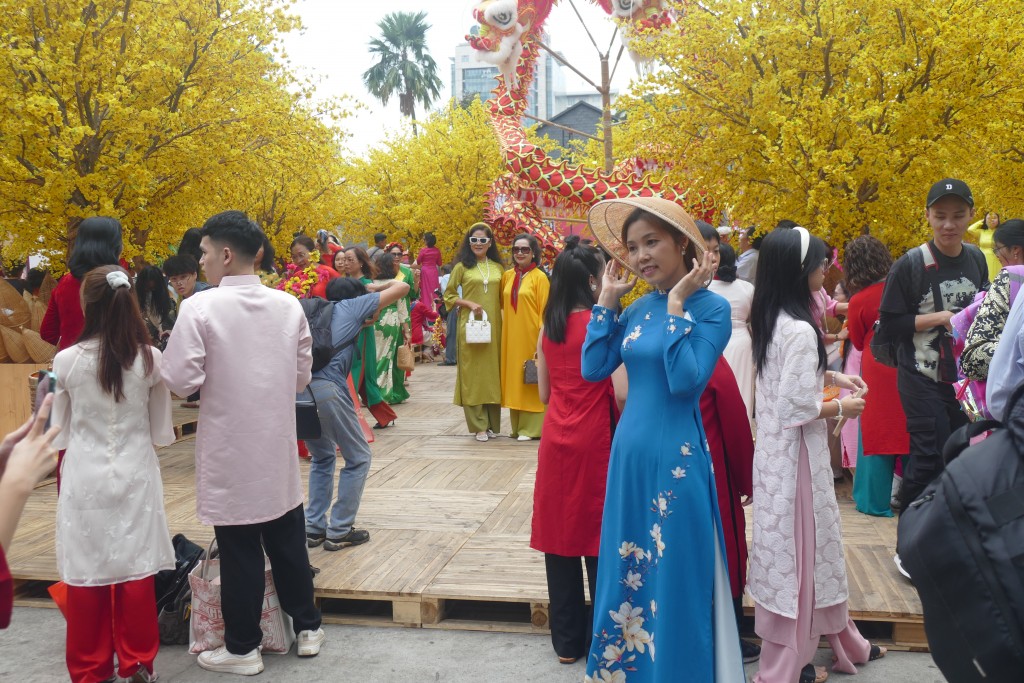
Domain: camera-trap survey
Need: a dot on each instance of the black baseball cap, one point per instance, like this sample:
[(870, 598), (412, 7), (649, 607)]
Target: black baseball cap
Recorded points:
[(950, 187)]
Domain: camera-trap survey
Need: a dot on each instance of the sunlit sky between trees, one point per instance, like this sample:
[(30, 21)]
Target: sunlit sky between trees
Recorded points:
[(332, 50)]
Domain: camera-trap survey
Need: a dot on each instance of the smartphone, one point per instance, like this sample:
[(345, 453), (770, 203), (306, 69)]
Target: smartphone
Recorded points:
[(47, 384)]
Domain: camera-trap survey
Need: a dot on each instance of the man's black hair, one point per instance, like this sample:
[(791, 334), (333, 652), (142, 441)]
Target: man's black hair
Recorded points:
[(236, 230), (180, 264), (379, 237)]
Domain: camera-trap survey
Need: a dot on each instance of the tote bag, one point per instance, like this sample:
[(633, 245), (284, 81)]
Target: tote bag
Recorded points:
[(206, 625)]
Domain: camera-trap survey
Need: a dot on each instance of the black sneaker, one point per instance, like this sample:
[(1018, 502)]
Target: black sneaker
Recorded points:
[(751, 651), (314, 540), (353, 537)]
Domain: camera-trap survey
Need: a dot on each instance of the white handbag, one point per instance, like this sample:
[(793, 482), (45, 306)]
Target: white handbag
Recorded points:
[(478, 331)]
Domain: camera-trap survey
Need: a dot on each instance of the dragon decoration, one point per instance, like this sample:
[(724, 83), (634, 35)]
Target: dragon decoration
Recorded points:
[(536, 184)]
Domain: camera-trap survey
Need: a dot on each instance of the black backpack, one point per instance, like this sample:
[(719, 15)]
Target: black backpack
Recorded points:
[(962, 542), (174, 594), (319, 313)]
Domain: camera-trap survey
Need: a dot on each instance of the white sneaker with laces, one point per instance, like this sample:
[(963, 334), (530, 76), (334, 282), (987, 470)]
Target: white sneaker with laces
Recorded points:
[(222, 661), (491, 434), (481, 436), (309, 642)]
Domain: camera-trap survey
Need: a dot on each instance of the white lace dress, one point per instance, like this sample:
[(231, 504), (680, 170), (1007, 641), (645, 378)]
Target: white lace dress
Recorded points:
[(789, 397), (111, 526)]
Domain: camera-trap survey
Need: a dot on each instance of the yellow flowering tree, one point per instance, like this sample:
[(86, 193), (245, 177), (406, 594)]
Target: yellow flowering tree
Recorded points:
[(431, 182), (157, 113), (838, 114)]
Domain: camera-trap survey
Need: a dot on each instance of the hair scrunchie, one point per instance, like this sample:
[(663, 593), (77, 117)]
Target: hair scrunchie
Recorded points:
[(118, 279)]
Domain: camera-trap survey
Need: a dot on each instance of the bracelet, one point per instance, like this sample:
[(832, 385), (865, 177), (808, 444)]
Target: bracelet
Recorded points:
[(839, 405)]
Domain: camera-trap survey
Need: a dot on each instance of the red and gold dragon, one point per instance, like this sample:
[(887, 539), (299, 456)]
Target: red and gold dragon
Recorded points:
[(536, 184)]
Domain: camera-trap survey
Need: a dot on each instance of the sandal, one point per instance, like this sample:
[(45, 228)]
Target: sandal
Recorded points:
[(813, 674), (876, 652), (567, 660)]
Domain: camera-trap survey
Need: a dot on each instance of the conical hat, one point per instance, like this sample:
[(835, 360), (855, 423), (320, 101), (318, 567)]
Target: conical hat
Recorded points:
[(46, 289), (15, 345), (14, 311), (39, 350), (606, 219)]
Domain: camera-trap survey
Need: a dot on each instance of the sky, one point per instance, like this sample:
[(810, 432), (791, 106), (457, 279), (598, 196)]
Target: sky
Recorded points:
[(332, 50)]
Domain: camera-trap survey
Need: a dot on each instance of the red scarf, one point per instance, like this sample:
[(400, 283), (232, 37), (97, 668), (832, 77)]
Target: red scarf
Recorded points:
[(520, 273)]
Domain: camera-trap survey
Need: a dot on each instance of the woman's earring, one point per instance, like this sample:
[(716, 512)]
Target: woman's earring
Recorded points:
[(593, 287)]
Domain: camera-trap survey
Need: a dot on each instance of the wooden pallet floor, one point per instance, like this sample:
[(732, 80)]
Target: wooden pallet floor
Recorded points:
[(450, 525)]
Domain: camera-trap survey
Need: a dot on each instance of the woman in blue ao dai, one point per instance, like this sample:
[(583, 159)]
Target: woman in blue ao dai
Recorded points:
[(663, 607)]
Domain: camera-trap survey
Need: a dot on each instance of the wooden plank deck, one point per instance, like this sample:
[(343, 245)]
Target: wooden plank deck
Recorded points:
[(449, 519)]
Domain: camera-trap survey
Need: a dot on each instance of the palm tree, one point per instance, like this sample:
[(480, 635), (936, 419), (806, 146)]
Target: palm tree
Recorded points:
[(403, 64)]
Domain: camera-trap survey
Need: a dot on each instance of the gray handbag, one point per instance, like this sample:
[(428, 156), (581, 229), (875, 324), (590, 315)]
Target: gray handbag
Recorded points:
[(530, 370)]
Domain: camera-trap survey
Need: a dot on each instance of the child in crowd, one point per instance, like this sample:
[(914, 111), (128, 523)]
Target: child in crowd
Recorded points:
[(112, 407)]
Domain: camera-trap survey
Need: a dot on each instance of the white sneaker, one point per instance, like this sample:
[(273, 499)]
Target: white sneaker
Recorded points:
[(309, 642), (491, 434), (222, 661), (481, 436), (523, 437)]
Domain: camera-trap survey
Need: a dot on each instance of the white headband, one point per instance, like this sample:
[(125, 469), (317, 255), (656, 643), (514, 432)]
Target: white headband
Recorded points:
[(117, 279), (805, 242)]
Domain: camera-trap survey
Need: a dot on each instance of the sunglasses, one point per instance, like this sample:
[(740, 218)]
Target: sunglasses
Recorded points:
[(522, 250), (479, 240)]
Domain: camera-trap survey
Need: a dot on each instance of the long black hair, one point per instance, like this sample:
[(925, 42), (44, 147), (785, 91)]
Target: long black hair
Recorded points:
[(158, 296), (570, 285), (189, 244), (97, 243), (466, 256), (782, 285), (726, 263)]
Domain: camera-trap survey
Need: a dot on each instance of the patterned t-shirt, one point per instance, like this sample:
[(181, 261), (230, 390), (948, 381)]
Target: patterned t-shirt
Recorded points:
[(909, 291)]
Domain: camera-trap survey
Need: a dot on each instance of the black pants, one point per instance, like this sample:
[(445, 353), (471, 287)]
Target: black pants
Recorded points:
[(241, 572), (572, 621), (451, 349), (933, 413)]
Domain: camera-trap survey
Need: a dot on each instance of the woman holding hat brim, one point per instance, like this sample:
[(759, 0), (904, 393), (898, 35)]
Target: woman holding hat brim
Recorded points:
[(478, 382), (663, 579), (797, 575)]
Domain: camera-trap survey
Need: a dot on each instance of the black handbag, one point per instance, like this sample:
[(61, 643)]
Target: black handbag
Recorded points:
[(307, 420)]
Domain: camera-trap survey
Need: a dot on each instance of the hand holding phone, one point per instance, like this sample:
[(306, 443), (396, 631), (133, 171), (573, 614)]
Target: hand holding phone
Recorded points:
[(47, 384), (27, 453)]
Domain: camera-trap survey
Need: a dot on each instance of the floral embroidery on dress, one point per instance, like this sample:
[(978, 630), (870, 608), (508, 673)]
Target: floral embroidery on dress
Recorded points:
[(629, 635), (686, 449), (678, 473), (631, 337)]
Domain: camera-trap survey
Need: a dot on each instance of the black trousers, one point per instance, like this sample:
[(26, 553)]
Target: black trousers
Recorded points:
[(572, 620), (451, 349), (241, 572), (933, 413)]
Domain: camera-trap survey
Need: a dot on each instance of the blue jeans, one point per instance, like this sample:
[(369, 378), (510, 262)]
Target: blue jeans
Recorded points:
[(340, 427)]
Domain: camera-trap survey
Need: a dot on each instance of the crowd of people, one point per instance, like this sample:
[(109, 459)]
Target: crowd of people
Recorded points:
[(661, 422)]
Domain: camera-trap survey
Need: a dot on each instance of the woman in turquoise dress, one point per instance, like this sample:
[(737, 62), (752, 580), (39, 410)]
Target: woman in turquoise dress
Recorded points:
[(663, 606)]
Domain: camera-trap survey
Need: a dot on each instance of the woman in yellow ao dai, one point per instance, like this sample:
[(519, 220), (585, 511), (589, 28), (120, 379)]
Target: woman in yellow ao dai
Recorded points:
[(524, 295)]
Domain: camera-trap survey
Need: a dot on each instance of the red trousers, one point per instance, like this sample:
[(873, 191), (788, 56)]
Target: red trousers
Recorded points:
[(103, 620)]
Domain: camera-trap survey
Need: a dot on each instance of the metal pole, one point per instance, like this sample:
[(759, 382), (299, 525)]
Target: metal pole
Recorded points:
[(606, 114)]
